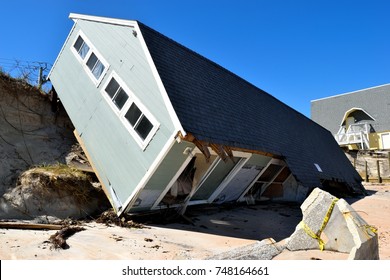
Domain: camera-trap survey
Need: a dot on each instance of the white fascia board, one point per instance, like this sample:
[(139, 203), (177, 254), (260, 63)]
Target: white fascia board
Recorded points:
[(62, 49), (167, 101), (160, 157), (115, 21)]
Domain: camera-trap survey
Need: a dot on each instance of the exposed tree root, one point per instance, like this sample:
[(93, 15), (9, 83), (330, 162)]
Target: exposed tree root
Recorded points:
[(58, 239)]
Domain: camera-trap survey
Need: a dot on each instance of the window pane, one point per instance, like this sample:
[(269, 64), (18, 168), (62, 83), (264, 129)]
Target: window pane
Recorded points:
[(92, 61), (112, 87), (133, 114), (120, 99), (84, 49), (144, 127), (78, 44), (98, 69)]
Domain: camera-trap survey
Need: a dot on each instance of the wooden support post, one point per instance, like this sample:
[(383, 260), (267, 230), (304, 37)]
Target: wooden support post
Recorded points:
[(379, 171), (366, 168), (388, 157)]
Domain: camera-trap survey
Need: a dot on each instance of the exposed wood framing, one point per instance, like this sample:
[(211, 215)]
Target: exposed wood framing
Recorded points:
[(224, 152), (203, 147)]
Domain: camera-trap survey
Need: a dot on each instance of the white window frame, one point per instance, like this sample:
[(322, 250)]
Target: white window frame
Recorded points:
[(143, 143), (84, 61)]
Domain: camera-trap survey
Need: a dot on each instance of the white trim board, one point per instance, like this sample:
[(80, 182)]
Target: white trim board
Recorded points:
[(115, 21)]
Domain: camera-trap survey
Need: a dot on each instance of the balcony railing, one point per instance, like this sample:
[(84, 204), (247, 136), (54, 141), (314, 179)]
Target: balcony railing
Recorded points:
[(355, 134)]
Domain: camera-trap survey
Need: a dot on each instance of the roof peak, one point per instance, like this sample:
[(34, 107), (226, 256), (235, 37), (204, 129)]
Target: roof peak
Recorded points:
[(116, 21)]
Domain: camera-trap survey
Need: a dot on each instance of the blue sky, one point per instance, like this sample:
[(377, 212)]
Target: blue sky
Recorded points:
[(296, 50)]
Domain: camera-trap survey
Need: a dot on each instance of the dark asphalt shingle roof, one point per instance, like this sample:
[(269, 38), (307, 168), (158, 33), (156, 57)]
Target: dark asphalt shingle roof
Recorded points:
[(216, 105)]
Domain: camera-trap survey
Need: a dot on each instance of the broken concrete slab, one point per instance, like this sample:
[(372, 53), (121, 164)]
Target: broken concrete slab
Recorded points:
[(261, 250), (332, 224), (364, 236)]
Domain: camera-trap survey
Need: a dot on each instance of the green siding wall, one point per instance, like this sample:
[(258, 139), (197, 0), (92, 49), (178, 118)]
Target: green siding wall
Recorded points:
[(119, 160)]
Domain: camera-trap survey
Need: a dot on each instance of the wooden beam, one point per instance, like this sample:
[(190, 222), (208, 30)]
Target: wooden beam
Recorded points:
[(221, 150), (228, 151), (203, 147), (17, 225), (189, 137)]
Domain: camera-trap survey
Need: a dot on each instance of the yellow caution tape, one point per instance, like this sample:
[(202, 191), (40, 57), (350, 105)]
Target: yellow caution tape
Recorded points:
[(366, 227), (372, 228), (309, 232), (317, 235), (327, 216)]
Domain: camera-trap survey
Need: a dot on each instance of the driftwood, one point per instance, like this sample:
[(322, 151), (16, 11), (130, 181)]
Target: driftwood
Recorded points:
[(59, 238), (18, 225)]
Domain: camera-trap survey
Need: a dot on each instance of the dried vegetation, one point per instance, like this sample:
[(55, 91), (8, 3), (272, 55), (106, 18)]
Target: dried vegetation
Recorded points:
[(109, 218)]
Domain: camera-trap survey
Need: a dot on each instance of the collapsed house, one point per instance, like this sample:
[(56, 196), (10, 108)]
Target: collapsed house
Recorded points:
[(359, 120), (165, 127)]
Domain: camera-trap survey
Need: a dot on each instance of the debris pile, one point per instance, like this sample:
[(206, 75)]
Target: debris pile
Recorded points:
[(109, 218), (328, 223), (332, 224), (77, 159)]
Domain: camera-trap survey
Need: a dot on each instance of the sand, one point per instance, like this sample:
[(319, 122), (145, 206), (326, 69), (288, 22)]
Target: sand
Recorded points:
[(213, 231)]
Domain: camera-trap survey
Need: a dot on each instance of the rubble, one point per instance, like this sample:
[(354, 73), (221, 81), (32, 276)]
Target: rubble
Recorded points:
[(261, 250), (109, 218), (332, 224)]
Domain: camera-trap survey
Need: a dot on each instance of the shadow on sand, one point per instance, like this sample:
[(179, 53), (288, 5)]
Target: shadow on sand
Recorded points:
[(255, 222)]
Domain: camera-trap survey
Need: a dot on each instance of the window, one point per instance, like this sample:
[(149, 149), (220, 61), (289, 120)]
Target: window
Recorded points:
[(139, 122), (94, 65), (81, 47), (117, 94)]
